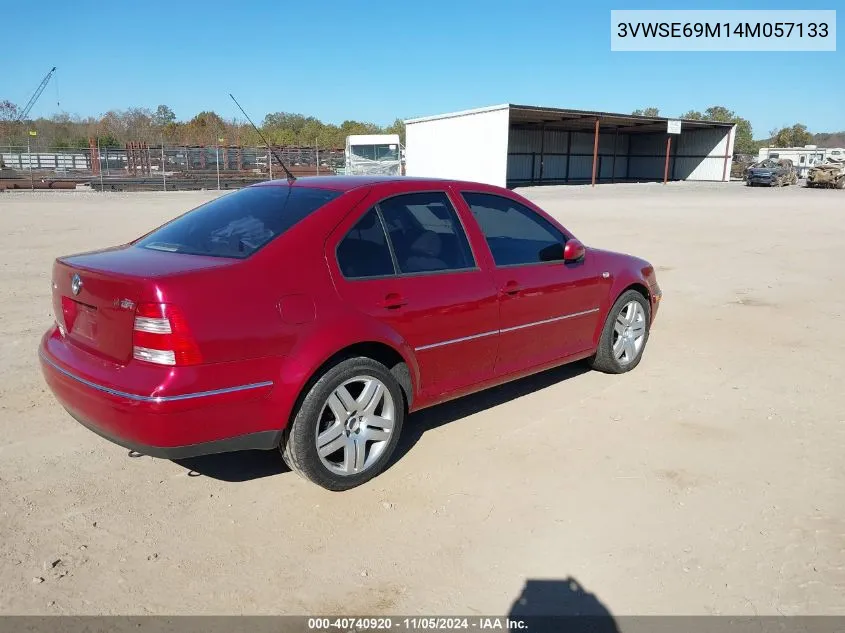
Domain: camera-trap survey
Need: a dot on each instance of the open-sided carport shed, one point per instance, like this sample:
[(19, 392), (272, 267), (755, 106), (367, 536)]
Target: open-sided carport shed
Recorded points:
[(517, 145)]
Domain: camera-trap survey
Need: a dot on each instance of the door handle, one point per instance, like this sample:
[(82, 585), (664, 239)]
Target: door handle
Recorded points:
[(511, 288), (392, 301)]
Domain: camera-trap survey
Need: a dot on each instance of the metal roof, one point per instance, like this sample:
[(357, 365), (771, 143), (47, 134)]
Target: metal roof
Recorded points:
[(566, 119), (372, 139), (452, 115)]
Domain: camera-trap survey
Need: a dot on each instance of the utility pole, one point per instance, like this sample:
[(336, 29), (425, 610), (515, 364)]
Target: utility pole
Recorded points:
[(100, 165), (29, 158), (217, 148)]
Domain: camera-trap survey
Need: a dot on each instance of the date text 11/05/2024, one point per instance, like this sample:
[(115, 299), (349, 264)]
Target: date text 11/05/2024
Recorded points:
[(722, 29), (417, 623)]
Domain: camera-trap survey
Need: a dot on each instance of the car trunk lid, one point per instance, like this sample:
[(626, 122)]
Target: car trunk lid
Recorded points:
[(95, 295), (95, 309)]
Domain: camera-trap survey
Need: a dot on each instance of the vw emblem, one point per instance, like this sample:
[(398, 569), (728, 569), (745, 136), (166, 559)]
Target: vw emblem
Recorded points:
[(75, 284)]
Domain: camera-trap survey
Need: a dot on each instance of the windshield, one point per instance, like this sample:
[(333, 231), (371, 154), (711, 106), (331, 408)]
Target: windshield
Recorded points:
[(237, 224), (376, 152)]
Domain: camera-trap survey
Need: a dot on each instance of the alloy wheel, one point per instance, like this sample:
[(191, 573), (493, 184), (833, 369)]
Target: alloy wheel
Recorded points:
[(355, 426), (629, 332)]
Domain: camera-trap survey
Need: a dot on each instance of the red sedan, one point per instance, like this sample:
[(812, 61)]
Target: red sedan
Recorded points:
[(313, 316)]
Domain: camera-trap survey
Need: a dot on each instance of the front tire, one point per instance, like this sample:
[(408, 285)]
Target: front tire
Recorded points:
[(347, 425), (625, 334)]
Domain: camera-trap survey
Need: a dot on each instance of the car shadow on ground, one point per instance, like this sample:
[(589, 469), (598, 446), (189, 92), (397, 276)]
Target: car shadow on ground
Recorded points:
[(427, 419), (248, 465), (561, 605)]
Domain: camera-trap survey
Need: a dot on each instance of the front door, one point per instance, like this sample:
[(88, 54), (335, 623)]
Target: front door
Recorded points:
[(548, 309), (423, 282)]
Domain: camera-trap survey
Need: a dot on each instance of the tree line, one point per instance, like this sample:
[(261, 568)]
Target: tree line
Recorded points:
[(118, 127), (796, 135)]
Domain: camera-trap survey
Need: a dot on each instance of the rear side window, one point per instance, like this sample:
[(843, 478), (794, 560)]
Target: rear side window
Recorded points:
[(238, 224), (425, 233), (364, 251), (515, 234)]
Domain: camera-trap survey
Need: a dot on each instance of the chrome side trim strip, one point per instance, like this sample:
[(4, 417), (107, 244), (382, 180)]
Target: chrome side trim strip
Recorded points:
[(156, 399), (456, 340), (508, 329), (552, 320)]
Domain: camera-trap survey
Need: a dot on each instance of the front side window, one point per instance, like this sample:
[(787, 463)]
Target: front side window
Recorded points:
[(239, 223), (425, 233), (515, 234), (364, 251)]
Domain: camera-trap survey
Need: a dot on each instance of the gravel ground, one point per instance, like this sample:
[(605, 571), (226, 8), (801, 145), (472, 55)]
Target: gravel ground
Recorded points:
[(709, 480)]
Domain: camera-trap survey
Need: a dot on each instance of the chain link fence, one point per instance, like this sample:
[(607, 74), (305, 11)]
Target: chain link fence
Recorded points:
[(171, 167)]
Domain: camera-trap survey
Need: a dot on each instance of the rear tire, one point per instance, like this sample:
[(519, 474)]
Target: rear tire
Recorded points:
[(360, 428), (620, 326)]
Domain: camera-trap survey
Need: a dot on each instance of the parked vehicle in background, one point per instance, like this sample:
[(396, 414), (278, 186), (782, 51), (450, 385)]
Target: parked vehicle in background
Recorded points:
[(373, 155), (772, 173), (310, 317), (740, 165), (803, 158), (828, 174)]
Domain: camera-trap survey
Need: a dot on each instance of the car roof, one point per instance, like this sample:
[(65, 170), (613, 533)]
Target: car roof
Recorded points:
[(347, 183)]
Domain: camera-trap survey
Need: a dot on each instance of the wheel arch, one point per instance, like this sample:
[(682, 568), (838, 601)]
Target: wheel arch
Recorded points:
[(325, 347), (378, 351), (639, 287), (622, 285)]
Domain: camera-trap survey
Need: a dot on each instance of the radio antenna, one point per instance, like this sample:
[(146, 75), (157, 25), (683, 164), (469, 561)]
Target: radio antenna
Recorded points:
[(291, 177)]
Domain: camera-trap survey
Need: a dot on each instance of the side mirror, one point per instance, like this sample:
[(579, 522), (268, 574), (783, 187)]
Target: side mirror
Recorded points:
[(574, 251)]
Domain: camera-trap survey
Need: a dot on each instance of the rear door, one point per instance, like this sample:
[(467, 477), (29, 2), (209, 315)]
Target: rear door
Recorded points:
[(423, 281), (548, 309)]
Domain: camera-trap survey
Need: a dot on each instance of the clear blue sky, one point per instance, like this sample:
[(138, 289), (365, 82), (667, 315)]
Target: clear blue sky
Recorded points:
[(378, 60)]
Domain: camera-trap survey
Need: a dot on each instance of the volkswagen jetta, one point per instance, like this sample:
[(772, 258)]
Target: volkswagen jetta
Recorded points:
[(312, 316)]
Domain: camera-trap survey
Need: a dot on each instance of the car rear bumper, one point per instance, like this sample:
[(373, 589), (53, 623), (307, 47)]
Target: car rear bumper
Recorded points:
[(171, 425)]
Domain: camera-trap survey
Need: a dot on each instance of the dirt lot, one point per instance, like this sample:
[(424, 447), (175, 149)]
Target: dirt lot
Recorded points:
[(709, 480)]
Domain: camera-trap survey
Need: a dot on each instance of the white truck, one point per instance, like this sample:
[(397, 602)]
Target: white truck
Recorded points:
[(374, 154)]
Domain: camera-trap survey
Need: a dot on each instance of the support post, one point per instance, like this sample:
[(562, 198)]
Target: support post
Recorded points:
[(727, 148), (542, 151), (595, 151), (217, 164), (615, 144), (666, 167), (99, 168), (568, 155), (29, 161)]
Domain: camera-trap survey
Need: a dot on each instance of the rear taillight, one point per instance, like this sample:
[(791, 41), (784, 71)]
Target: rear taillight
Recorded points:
[(161, 336)]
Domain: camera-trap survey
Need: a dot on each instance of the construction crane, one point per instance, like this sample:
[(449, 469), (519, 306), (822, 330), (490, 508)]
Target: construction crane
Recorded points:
[(25, 112)]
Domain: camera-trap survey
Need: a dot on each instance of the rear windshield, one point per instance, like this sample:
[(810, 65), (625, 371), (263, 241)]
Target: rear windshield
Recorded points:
[(238, 224)]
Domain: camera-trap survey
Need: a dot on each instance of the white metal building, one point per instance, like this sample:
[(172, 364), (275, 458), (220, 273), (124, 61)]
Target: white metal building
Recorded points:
[(516, 145)]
